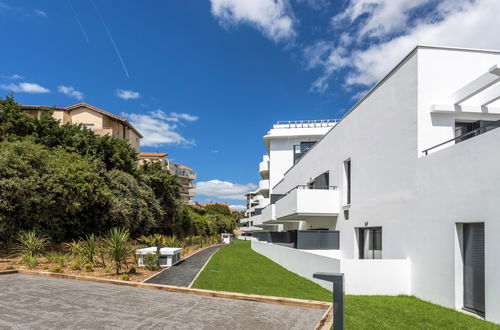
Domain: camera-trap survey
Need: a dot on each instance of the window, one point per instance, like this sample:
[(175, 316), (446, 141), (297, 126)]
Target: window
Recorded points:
[(347, 182), (370, 243), (89, 126), (320, 182), (473, 128), (300, 150)]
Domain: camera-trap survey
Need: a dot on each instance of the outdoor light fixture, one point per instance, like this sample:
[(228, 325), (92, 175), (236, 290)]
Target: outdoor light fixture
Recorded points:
[(338, 296)]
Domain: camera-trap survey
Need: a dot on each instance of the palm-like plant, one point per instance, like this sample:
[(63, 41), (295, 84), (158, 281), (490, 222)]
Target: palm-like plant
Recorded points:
[(89, 250), (31, 244), (117, 247)]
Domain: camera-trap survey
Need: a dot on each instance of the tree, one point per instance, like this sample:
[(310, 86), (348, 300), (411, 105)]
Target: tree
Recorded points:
[(165, 189), (132, 204)]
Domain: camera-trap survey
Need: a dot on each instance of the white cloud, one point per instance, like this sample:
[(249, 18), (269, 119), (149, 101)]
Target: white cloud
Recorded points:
[(25, 87), (40, 13), (273, 18), (157, 128), (223, 190), (382, 17), (70, 91), (127, 94), (456, 23), (14, 76), (238, 208)]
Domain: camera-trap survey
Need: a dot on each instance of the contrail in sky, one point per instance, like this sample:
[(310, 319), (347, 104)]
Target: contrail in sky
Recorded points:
[(111, 38), (78, 21)]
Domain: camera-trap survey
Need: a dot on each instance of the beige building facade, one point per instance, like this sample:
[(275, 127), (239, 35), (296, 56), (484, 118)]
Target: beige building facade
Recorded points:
[(185, 175), (99, 121)]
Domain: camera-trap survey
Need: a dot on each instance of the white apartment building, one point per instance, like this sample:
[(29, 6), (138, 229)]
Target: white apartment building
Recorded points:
[(407, 185), (285, 143)]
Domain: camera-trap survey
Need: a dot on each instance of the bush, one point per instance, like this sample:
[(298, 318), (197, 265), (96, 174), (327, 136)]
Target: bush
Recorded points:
[(151, 261), (56, 258), (124, 277), (10, 267), (132, 269), (56, 269), (89, 268), (108, 270), (31, 244), (117, 247), (75, 265)]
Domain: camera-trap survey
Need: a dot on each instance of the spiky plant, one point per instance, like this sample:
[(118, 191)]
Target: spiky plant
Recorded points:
[(31, 244), (89, 250), (117, 247)]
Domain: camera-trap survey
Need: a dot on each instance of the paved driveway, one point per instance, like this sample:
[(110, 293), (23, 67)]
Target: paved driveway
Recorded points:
[(184, 272), (28, 301)]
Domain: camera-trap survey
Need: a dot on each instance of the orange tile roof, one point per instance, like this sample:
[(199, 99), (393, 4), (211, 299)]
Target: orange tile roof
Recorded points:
[(224, 204), (152, 154), (182, 166)]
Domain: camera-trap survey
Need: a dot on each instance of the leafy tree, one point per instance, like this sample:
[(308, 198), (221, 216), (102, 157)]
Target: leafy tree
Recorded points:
[(58, 193), (165, 189), (132, 204)]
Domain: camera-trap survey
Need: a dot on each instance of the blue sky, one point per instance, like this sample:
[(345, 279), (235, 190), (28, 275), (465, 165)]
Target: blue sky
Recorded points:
[(204, 80)]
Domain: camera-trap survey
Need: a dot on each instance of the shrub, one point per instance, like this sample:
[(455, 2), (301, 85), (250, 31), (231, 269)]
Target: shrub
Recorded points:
[(151, 261), (56, 269), (89, 250), (89, 268), (30, 261), (74, 248), (124, 277), (56, 258), (75, 265), (31, 244), (108, 270), (10, 267), (132, 269), (117, 247)]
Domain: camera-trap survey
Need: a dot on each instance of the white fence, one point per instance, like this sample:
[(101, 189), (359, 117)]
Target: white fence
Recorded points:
[(370, 277)]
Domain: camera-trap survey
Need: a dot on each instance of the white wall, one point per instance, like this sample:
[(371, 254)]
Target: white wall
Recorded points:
[(386, 277)]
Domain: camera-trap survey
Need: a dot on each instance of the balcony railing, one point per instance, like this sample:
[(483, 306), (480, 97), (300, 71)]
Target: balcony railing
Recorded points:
[(468, 135), (303, 239), (306, 123), (305, 202)]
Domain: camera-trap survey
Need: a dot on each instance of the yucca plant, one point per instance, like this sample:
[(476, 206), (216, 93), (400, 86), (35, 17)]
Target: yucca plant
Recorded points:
[(30, 245), (117, 247), (89, 250), (74, 248)]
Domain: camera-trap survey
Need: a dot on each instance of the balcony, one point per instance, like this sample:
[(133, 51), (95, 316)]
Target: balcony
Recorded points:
[(264, 167), (269, 213), (302, 203), (264, 188)]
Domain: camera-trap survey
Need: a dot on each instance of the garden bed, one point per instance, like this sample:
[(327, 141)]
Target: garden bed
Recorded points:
[(9, 261)]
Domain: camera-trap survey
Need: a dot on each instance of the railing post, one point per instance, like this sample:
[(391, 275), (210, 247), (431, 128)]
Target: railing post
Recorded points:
[(338, 296)]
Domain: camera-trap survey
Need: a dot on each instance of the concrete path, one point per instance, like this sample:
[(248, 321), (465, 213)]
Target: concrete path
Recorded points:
[(34, 302), (184, 272)]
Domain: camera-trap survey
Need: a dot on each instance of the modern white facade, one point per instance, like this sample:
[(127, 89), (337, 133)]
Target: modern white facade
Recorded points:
[(410, 219), (285, 143)]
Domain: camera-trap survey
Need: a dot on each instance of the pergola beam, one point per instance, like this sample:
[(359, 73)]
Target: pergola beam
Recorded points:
[(477, 85)]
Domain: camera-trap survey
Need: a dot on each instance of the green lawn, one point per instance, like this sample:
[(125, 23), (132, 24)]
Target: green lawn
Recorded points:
[(236, 268)]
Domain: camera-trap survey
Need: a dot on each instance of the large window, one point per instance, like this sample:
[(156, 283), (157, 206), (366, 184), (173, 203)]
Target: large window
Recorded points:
[(370, 243), (300, 149), (320, 182), (473, 128), (347, 182)]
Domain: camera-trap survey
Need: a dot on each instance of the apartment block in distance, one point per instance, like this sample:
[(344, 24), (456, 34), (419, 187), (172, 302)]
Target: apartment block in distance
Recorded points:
[(286, 142), (185, 175), (101, 122), (402, 195)]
